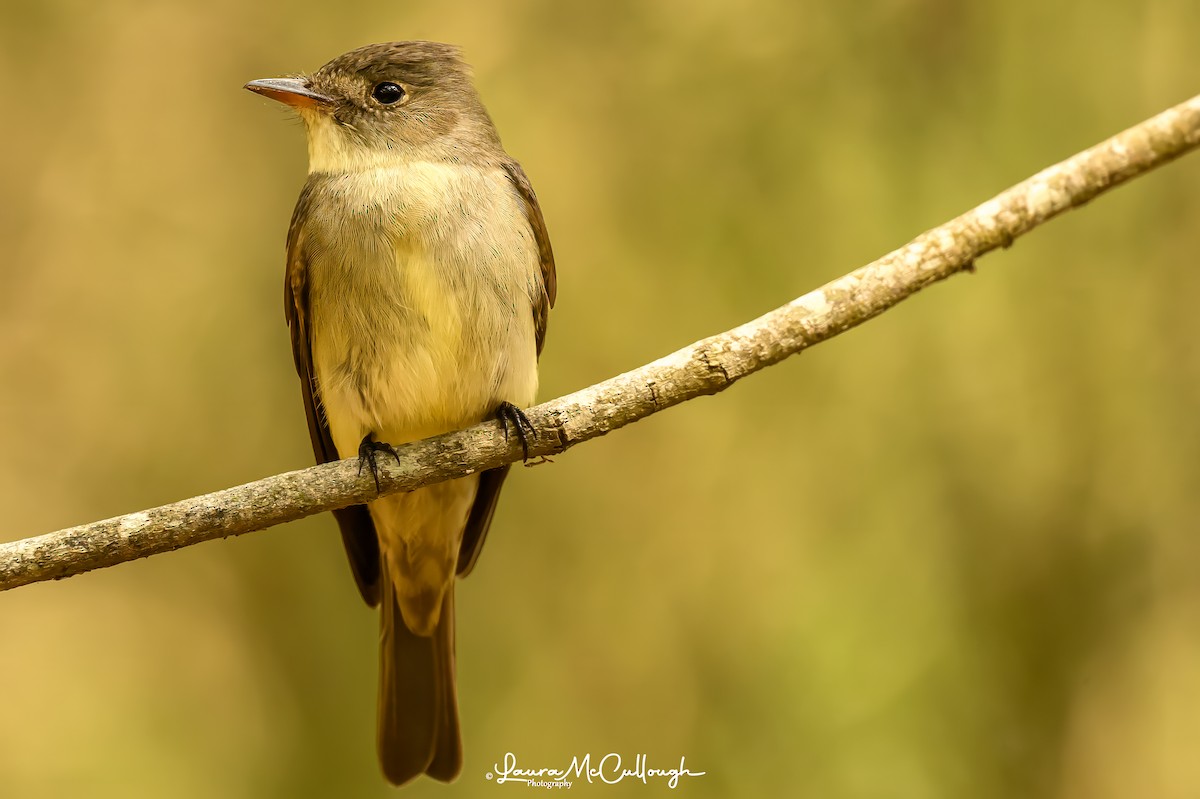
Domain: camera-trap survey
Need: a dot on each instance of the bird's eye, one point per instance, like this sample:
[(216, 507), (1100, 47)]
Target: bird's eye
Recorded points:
[(388, 93)]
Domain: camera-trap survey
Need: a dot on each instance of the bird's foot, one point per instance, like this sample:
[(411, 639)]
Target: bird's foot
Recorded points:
[(509, 414), (368, 453)]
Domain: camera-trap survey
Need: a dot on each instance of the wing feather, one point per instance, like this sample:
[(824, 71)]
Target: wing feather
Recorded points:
[(358, 531), (490, 482)]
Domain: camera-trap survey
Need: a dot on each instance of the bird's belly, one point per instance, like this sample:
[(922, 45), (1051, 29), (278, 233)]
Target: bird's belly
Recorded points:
[(417, 351)]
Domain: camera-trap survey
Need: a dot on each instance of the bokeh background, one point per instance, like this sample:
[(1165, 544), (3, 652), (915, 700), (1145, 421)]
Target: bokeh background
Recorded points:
[(952, 553)]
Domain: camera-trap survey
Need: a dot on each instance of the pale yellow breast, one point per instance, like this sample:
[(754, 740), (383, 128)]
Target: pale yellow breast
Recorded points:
[(422, 284)]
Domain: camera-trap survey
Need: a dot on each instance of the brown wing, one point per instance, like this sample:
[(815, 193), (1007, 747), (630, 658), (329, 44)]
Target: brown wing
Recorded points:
[(533, 212), (358, 531), (480, 519), (491, 481)]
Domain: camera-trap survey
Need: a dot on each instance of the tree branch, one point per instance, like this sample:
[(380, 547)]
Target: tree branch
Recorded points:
[(706, 367)]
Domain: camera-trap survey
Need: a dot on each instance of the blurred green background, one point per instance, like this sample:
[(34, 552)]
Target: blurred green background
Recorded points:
[(952, 553)]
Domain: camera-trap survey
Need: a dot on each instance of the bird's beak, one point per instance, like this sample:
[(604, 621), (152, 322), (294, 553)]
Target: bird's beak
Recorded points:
[(290, 91)]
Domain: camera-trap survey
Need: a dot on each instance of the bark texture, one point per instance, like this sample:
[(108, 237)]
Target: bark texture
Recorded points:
[(705, 367)]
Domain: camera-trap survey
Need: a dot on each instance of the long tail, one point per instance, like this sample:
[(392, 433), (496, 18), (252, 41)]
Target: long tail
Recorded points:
[(418, 705)]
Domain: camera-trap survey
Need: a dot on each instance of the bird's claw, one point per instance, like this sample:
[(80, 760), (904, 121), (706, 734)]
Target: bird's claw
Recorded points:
[(368, 456), (509, 414)]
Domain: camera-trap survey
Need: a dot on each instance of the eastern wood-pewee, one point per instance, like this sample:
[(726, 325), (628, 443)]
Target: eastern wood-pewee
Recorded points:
[(419, 280)]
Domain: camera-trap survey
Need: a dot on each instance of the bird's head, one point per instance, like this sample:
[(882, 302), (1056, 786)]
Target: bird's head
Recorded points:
[(385, 104)]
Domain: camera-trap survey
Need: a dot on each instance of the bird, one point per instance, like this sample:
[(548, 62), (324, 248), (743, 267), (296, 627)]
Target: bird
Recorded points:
[(419, 280)]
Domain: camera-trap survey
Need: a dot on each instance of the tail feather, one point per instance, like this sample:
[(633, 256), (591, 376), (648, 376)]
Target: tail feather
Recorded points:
[(418, 709), (447, 749)]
